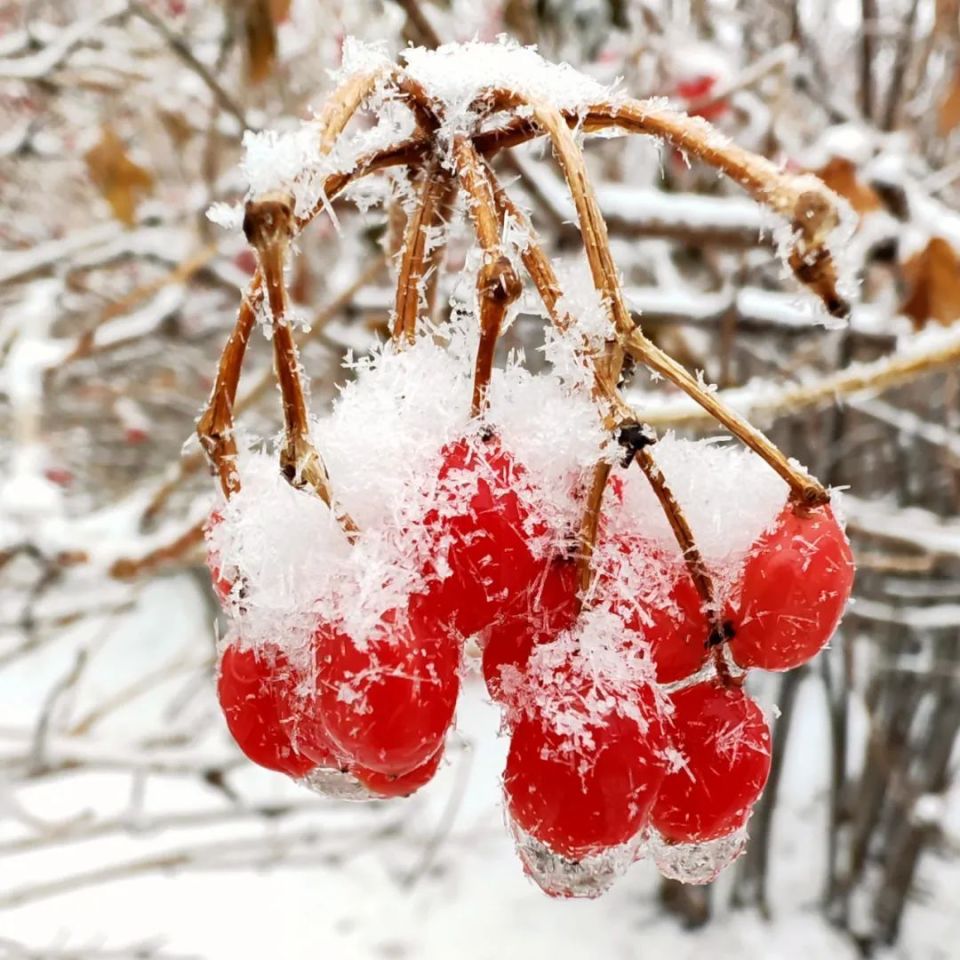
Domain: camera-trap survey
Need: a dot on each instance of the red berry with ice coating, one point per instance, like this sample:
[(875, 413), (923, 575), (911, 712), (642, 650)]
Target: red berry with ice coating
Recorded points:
[(388, 699), (724, 743), (795, 585), (398, 785), (585, 763), (256, 692), (482, 523)]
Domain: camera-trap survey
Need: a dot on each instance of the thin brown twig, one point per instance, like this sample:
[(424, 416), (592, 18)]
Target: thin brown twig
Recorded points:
[(415, 258), (804, 489), (268, 224), (497, 282), (190, 464), (181, 273), (880, 375), (183, 51), (130, 568)]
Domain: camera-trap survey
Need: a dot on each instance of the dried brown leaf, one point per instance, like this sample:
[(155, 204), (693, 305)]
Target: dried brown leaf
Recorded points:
[(121, 181), (933, 279), (840, 175)]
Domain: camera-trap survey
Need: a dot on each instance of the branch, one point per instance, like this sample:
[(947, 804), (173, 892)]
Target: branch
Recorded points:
[(760, 400)]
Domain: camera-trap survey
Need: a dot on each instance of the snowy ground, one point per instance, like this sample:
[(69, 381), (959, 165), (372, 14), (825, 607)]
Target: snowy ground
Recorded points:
[(428, 877)]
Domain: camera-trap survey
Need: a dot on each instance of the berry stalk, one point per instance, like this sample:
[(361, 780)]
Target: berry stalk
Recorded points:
[(498, 285), (417, 265), (268, 224)]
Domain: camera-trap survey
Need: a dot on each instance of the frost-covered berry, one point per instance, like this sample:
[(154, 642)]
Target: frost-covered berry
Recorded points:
[(723, 743), (586, 754), (536, 615), (388, 699), (482, 524), (668, 615), (796, 582), (663, 614), (260, 695)]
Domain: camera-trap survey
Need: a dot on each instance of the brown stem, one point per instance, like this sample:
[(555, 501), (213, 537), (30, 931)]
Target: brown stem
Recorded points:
[(416, 262), (804, 489), (268, 225), (215, 427), (129, 568), (193, 462), (544, 277), (804, 201), (590, 524), (719, 630), (606, 278), (497, 282), (692, 556), (497, 287)]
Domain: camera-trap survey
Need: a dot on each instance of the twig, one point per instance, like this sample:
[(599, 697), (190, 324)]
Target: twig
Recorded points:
[(760, 402), (497, 282), (183, 51), (430, 211), (804, 489), (130, 568), (268, 225)]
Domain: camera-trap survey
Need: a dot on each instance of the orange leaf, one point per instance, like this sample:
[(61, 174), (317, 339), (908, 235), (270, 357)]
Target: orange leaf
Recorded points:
[(119, 179), (933, 279), (840, 175)]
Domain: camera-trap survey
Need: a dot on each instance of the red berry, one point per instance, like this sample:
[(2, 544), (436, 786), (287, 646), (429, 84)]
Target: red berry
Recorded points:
[(246, 260), (585, 764), (725, 743), (256, 690), (136, 435), (699, 88), (675, 627), (676, 630), (694, 88), (483, 521), (795, 585), (537, 614), (59, 475), (402, 785), (387, 701)]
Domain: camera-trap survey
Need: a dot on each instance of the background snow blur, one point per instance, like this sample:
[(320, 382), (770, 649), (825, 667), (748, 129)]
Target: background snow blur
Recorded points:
[(129, 824)]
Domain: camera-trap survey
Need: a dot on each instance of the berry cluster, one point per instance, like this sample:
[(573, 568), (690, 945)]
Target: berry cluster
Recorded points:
[(622, 692)]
